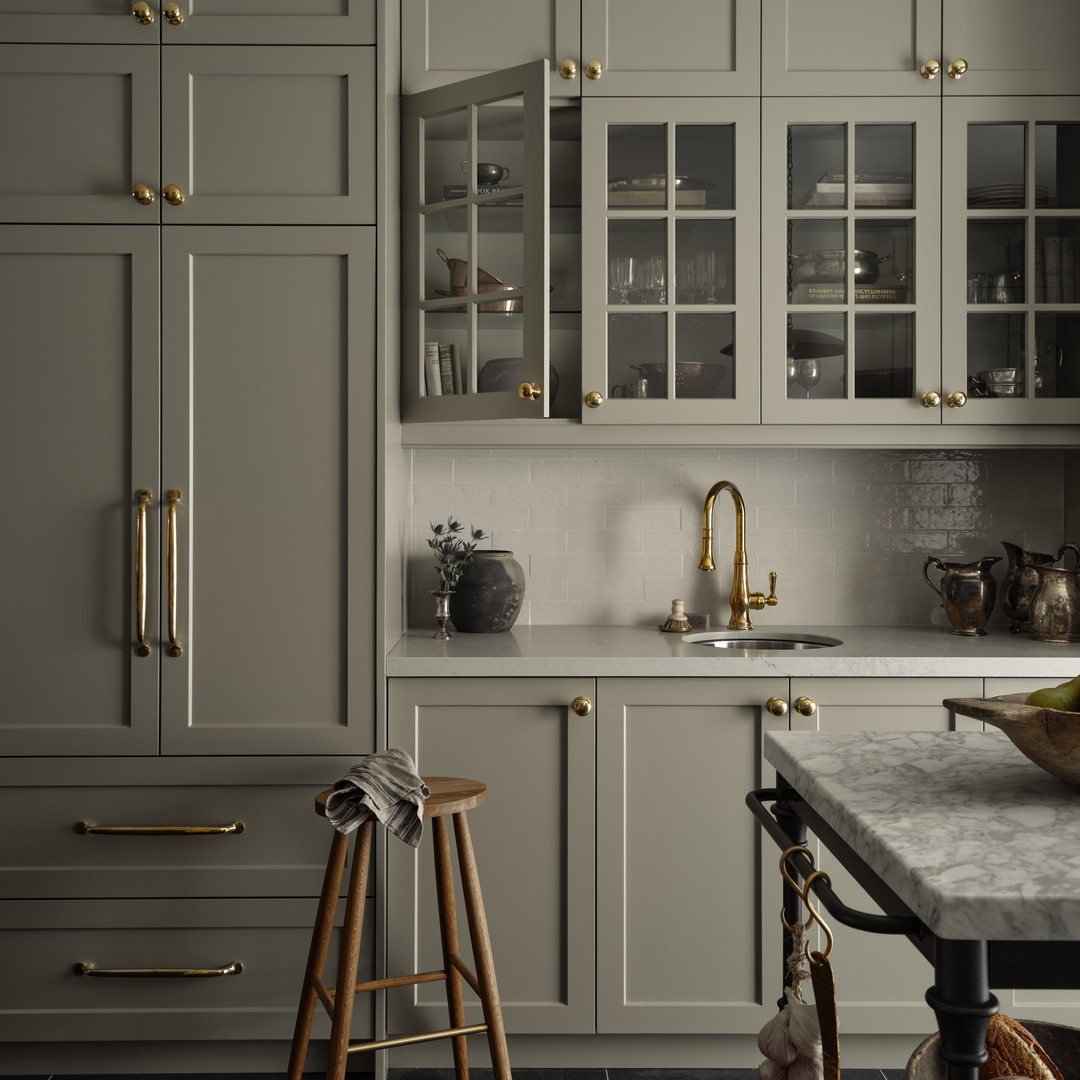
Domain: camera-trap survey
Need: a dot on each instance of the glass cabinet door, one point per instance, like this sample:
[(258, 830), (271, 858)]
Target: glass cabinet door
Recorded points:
[(1012, 198), (850, 280), (475, 257), (670, 261)]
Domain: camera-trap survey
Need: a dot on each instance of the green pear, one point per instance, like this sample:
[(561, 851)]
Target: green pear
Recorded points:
[(1064, 698)]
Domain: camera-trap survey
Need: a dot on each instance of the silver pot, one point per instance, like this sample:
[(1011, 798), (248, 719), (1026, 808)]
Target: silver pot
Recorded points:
[(829, 267)]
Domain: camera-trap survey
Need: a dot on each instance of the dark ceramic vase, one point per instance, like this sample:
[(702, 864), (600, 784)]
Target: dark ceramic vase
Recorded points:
[(489, 595)]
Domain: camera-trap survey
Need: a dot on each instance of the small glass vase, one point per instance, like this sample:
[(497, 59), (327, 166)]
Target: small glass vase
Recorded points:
[(442, 613)]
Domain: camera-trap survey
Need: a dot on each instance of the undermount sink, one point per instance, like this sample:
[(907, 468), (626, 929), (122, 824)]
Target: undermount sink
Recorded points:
[(763, 641)]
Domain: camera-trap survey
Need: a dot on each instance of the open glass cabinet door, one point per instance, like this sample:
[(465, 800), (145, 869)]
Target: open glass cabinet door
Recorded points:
[(475, 264)]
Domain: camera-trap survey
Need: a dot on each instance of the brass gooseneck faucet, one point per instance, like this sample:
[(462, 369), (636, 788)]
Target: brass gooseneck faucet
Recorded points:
[(742, 599)]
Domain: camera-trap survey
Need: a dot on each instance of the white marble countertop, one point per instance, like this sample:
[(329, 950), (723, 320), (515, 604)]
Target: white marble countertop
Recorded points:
[(868, 651), (974, 838)]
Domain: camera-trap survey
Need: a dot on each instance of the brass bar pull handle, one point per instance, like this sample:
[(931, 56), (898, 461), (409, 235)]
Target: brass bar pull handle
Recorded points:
[(170, 561), (85, 827), (142, 647), (235, 968)]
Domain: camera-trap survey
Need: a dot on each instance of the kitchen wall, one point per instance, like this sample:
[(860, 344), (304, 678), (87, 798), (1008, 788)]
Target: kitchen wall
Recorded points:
[(613, 535)]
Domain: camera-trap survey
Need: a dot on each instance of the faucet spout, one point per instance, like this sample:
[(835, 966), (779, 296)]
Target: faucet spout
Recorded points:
[(742, 600)]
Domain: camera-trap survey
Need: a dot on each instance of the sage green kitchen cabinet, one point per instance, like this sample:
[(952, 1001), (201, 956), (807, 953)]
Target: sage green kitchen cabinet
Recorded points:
[(688, 938), (594, 48), (920, 48), (189, 135), (196, 22), (881, 981), (534, 840), (250, 399)]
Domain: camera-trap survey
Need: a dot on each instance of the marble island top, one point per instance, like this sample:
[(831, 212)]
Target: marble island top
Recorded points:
[(867, 651), (974, 838)]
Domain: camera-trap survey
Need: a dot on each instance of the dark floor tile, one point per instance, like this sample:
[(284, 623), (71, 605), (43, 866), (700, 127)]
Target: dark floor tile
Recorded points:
[(487, 1074), (687, 1074)]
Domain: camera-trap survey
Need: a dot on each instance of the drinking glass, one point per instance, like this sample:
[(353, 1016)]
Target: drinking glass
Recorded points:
[(620, 278)]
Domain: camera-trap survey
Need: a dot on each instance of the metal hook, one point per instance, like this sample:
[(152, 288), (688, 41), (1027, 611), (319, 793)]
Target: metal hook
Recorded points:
[(803, 892)]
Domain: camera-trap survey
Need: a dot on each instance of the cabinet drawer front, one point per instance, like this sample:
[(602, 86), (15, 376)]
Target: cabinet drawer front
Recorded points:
[(280, 850), (43, 996)]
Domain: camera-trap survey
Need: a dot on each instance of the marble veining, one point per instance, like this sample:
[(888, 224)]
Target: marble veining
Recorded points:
[(977, 840)]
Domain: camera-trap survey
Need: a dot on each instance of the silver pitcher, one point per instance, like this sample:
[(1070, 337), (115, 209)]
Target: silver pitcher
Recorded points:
[(1021, 579), (1055, 605), (968, 592)]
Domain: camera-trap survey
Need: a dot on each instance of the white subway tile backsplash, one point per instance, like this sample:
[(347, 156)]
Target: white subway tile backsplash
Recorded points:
[(612, 535)]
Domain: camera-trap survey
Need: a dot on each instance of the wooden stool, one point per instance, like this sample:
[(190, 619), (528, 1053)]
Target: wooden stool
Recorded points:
[(449, 796)]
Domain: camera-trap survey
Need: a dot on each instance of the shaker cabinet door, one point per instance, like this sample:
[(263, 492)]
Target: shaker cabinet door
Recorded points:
[(268, 410), (79, 433)]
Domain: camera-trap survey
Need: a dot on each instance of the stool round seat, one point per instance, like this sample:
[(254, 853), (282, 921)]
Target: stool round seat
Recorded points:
[(449, 795)]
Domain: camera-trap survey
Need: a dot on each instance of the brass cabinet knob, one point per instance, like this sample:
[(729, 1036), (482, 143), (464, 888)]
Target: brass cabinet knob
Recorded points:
[(143, 13), (777, 706), (143, 195), (529, 391), (568, 69), (930, 400), (594, 399), (581, 705), (930, 69), (805, 706), (172, 13), (594, 69), (172, 195), (956, 400), (956, 68)]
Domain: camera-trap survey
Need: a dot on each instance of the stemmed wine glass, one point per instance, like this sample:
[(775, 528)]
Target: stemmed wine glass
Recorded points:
[(621, 277), (804, 371)]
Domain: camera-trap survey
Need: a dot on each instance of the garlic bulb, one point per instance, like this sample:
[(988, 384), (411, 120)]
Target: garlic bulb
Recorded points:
[(805, 1068), (802, 1027), (774, 1041)]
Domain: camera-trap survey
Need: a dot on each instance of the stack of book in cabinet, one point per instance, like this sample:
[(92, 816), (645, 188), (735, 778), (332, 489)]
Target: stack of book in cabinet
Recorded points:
[(442, 369), (870, 190)]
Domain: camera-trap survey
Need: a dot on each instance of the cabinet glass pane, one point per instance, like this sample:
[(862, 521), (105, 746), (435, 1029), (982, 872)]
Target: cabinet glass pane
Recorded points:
[(638, 355), (884, 160), (1057, 164), (996, 354), (446, 146), (1055, 260), (702, 368), (884, 355), (637, 261), (816, 348), (1057, 356), (704, 166), (816, 260), (704, 253), (637, 166), (996, 167), (995, 261)]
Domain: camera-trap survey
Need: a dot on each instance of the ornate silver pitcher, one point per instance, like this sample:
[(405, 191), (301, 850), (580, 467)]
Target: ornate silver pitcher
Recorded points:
[(1055, 605), (968, 592), (1021, 578)]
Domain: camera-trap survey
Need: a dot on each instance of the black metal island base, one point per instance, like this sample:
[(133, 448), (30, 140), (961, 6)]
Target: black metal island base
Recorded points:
[(903, 812)]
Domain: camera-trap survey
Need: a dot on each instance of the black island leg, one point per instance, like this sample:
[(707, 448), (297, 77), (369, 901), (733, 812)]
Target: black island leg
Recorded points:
[(963, 1004)]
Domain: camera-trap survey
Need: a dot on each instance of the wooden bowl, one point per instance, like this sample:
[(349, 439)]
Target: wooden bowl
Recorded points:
[(1047, 737)]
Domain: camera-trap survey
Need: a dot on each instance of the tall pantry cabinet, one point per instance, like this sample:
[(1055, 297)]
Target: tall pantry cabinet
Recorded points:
[(187, 312)]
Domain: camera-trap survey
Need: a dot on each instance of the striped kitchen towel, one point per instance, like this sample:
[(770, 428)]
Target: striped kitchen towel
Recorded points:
[(385, 786)]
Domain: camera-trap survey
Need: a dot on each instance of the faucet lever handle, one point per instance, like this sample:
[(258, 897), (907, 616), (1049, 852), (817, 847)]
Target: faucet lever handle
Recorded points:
[(758, 600)]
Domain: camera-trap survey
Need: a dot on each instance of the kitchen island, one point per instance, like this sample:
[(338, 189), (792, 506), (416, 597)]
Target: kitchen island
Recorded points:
[(967, 846)]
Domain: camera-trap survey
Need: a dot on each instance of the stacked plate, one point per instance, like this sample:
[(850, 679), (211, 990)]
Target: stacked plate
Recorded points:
[(1005, 195)]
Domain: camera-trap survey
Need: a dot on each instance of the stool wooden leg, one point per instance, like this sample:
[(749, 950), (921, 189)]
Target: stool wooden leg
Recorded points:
[(481, 945), (349, 956), (444, 890), (320, 944)]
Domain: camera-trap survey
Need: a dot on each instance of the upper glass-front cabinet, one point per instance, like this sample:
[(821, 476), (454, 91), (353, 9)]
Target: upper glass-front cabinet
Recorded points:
[(850, 284), (475, 257), (1011, 231), (670, 257)]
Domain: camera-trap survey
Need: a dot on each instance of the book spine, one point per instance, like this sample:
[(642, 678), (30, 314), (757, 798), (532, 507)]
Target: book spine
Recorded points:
[(867, 189), (1052, 268), (455, 358), (446, 369), (1068, 269), (432, 375), (869, 177)]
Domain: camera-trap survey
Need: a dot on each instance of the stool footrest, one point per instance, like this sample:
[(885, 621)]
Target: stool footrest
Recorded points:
[(408, 1040)]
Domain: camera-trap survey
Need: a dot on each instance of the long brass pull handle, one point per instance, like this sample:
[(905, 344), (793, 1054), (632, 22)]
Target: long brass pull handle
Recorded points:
[(142, 646), (235, 968), (143, 12), (85, 827), (170, 562), (173, 13)]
